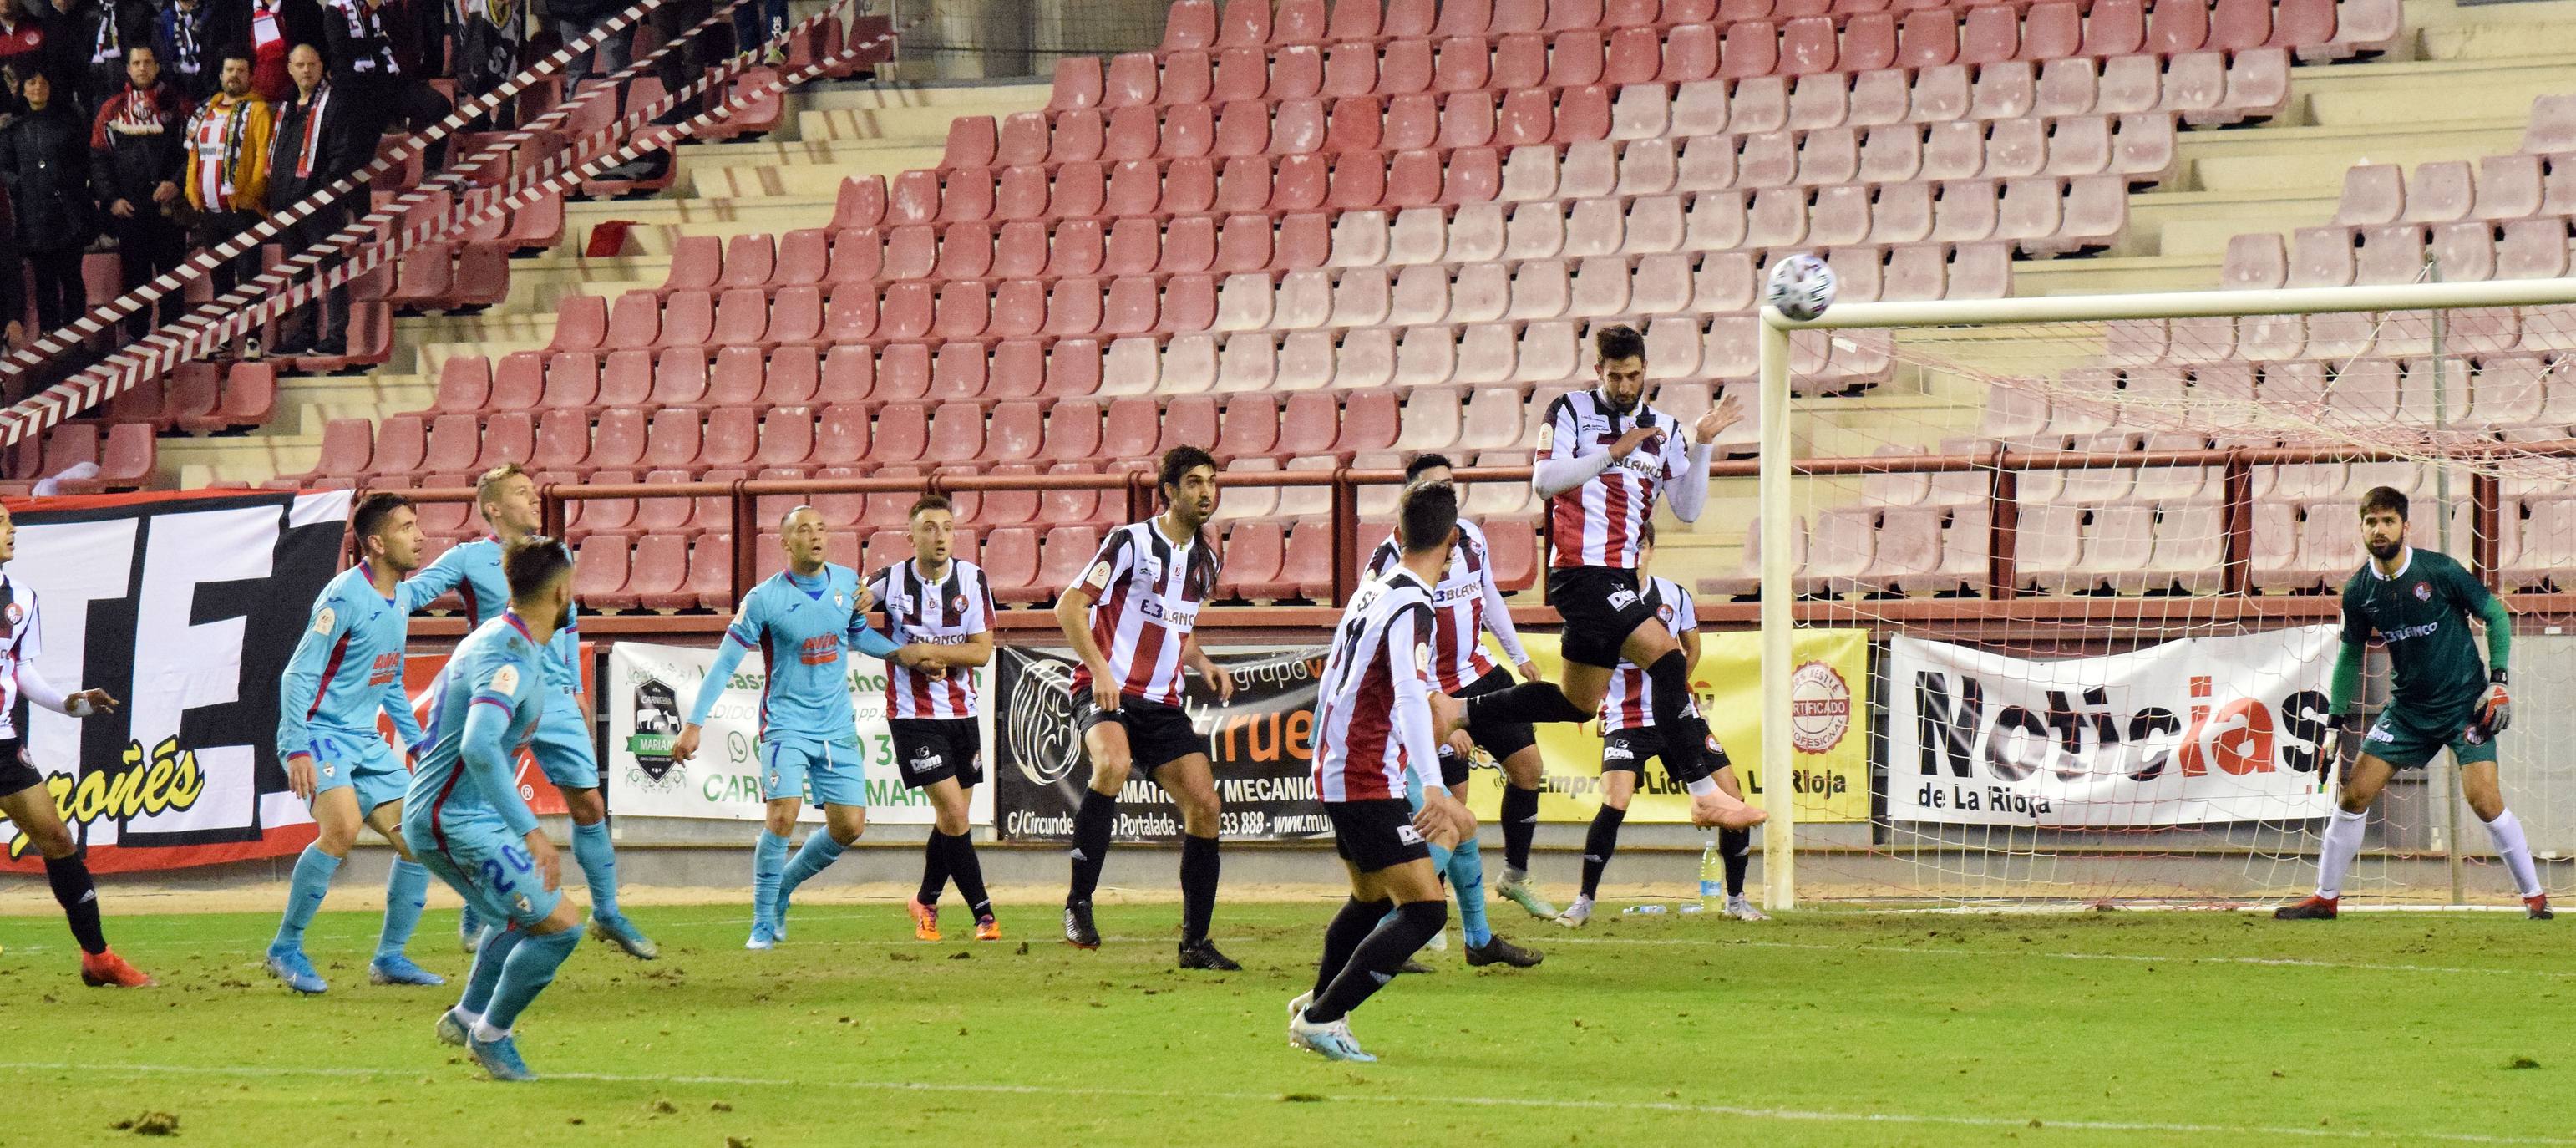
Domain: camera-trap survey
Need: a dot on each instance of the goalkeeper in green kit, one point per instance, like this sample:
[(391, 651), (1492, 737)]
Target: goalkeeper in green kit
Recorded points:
[(2420, 604)]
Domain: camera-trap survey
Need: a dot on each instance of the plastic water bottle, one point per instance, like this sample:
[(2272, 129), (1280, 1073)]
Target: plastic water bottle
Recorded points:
[(1643, 909), (1712, 875)]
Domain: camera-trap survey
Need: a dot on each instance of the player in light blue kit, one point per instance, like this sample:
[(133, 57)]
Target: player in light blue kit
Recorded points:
[(347, 668), (563, 746), (467, 822), (803, 621)]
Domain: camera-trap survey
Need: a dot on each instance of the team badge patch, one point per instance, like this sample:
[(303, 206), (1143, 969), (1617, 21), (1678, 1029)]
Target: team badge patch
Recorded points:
[(1422, 658), (1099, 576), (2423, 591), (506, 680), (323, 620), (1546, 438)]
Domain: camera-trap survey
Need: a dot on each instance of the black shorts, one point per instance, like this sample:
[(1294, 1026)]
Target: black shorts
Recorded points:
[(1628, 749), (1601, 607), (1376, 835), (15, 773), (931, 749), (1500, 737), (1157, 734)]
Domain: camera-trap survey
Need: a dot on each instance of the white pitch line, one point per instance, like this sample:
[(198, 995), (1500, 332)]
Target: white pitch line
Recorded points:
[(2132, 958), (1679, 1108)]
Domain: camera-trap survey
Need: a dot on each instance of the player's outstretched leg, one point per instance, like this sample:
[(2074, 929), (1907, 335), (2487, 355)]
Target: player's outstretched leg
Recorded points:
[(530, 967), (456, 1025), (842, 825), (2479, 784), (597, 855), (2361, 785), (1520, 829), (305, 888), (1354, 924), (1324, 1024)]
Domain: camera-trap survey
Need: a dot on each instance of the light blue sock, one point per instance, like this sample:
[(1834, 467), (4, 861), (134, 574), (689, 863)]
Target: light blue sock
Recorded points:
[(1466, 871), (819, 852), (488, 961), (767, 859), (598, 861), (304, 892), (529, 970), (406, 890)]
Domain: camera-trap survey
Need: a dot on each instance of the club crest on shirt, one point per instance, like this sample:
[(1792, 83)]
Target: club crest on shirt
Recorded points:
[(506, 680), (323, 619), (957, 605), (2423, 591), (330, 771), (840, 599), (17, 614), (1099, 576), (1422, 657), (1546, 438)]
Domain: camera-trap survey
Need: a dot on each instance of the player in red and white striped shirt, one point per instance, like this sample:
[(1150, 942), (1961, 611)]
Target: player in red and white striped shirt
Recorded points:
[(1630, 736), (1467, 604), (1376, 714), (1604, 458), (943, 604), (1130, 618)]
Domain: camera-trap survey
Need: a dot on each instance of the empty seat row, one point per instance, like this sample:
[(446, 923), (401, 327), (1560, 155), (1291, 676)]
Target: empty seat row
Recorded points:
[(2337, 256), (2279, 339), (2521, 396), (2497, 188)]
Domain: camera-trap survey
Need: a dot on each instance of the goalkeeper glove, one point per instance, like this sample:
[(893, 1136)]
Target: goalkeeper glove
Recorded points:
[(2495, 710)]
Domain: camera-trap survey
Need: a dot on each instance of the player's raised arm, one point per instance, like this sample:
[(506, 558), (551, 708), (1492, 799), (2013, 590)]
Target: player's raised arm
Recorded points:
[(439, 577), (1561, 464), (1687, 466)]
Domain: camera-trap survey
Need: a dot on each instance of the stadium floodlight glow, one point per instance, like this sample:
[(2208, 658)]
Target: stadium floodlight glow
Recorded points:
[(1775, 541)]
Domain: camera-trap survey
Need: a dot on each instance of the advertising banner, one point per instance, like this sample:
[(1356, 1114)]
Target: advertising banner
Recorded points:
[(2197, 731), (185, 607), (649, 691)]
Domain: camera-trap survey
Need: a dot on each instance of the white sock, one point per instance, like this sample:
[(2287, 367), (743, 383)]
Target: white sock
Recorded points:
[(2516, 852), (1512, 873), (1702, 787), (468, 1019), (1582, 904), (487, 1034), (2343, 843)]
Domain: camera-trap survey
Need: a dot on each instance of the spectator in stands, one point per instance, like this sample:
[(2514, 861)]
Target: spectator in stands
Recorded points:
[(64, 50), (44, 161), (574, 19), (489, 34), (383, 54), (756, 22), (190, 40), (134, 152), (227, 175), (22, 39), (320, 139), (676, 69), (111, 29), (271, 28)]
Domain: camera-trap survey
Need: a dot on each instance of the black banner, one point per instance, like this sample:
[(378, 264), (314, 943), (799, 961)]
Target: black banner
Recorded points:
[(1262, 746), (186, 607)]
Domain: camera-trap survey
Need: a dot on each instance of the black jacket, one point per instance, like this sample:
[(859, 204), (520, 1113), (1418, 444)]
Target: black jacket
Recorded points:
[(206, 31), (346, 143), (359, 40), (44, 160), (99, 80), (127, 158)]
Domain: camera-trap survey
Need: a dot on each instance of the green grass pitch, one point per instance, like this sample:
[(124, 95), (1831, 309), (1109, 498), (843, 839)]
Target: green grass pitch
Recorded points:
[(1826, 1028)]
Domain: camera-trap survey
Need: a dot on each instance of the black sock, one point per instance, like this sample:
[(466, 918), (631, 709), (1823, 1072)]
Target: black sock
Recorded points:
[(1373, 964), (1528, 701), (1520, 825), (1342, 938), (1198, 887), (968, 871), (934, 868), (1684, 733), (1091, 825), (1598, 844), (79, 898), (1736, 846)]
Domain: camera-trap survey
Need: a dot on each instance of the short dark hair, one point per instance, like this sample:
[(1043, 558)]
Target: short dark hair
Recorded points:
[(131, 49), (929, 502), (1427, 460), (1619, 341), (236, 51), (373, 512), (1427, 516), (1178, 462), (533, 563), (2384, 498)]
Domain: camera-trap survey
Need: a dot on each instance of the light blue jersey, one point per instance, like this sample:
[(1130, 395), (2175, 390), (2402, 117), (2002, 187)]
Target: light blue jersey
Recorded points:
[(803, 629), (464, 817), (563, 740), (348, 668)]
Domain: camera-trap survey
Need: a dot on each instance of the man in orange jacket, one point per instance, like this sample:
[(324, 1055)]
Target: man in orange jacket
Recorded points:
[(227, 166)]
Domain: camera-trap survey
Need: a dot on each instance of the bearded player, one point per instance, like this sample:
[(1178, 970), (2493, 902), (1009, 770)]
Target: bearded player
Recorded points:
[(2419, 603), (1605, 457)]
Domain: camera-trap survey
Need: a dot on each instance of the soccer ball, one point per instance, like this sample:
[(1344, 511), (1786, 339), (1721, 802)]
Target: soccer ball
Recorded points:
[(1801, 287)]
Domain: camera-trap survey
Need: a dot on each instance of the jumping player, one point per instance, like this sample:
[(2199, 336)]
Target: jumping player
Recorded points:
[(347, 668), (1630, 737), (467, 822), (1374, 722), (1130, 618), (24, 798), (1604, 458), (944, 604), (803, 620), (563, 747), (2419, 603)]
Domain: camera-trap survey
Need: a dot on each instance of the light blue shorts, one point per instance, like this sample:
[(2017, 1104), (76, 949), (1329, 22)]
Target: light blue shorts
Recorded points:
[(365, 762), (562, 744), (487, 865), (821, 772)]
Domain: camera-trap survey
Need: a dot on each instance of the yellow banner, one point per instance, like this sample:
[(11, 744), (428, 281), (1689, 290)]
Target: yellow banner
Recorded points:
[(1829, 706)]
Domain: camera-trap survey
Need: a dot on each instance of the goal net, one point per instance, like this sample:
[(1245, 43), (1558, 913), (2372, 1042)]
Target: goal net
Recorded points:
[(2097, 548)]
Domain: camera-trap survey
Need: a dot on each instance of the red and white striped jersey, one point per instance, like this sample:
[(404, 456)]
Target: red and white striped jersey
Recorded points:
[(946, 612), (21, 642), (1600, 522), (1465, 604), (1373, 704), (1629, 702), (1146, 591)]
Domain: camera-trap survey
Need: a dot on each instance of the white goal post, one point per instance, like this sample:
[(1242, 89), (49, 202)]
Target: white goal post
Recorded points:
[(1778, 550)]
